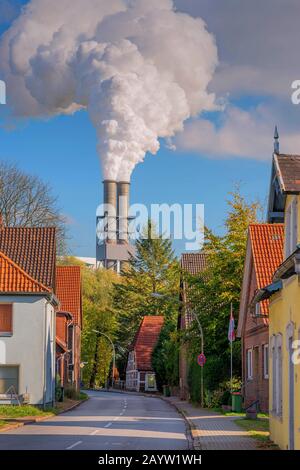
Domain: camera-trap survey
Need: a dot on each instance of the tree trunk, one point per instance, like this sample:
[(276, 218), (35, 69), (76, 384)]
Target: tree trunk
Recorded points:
[(95, 366)]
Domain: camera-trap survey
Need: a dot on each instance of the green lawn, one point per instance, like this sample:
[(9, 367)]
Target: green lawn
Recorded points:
[(14, 411), (257, 428)]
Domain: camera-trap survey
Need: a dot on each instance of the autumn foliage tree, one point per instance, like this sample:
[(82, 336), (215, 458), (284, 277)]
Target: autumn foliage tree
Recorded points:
[(213, 291)]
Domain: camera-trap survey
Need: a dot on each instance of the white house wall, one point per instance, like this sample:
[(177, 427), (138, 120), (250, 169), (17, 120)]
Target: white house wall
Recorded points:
[(31, 346)]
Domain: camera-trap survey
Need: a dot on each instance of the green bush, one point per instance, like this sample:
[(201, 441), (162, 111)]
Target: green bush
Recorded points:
[(72, 393)]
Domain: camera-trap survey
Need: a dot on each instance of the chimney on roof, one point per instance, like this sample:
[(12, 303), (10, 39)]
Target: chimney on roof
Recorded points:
[(276, 141)]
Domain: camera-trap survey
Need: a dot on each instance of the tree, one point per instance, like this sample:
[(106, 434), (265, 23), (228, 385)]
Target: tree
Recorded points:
[(212, 292), (153, 270), (26, 201), (98, 314)]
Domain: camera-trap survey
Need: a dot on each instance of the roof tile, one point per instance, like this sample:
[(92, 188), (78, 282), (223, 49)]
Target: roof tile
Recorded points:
[(146, 340), (68, 291), (33, 249), (14, 279), (267, 248)]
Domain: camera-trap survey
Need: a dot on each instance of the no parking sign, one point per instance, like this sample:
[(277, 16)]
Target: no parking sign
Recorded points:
[(201, 359)]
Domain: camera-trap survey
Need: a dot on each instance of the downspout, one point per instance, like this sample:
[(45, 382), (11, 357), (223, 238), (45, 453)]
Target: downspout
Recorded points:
[(45, 365)]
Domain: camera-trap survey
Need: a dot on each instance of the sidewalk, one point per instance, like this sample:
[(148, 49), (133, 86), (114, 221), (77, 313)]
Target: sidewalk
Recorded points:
[(213, 431)]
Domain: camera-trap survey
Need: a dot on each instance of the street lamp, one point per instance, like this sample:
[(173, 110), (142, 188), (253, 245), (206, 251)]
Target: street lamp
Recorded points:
[(157, 295), (114, 353)]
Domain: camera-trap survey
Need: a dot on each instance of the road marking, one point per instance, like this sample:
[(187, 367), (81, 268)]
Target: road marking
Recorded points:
[(108, 425), (74, 445), (94, 432)]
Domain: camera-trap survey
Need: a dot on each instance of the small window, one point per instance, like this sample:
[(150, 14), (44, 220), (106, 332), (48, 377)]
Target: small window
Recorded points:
[(257, 309), (266, 361), (250, 364), (9, 378), (5, 319)]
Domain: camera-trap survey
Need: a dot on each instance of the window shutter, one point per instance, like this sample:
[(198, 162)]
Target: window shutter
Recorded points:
[(5, 318)]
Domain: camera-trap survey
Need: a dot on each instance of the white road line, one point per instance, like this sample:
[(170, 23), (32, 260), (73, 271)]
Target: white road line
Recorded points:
[(108, 425), (74, 445)]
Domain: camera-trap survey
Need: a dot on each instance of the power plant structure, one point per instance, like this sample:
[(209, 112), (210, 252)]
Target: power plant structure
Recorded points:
[(113, 227)]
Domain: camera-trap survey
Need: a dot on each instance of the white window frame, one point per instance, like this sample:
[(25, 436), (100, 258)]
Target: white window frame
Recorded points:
[(250, 364), (266, 360)]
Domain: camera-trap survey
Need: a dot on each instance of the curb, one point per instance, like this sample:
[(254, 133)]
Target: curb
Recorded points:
[(192, 441)]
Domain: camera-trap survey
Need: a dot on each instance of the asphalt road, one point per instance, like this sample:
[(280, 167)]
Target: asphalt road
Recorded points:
[(107, 421)]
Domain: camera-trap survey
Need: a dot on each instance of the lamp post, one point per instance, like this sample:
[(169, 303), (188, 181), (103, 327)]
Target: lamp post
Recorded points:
[(114, 354)]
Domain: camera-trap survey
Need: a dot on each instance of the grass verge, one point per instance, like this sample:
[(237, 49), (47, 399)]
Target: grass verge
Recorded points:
[(29, 411), (256, 428)]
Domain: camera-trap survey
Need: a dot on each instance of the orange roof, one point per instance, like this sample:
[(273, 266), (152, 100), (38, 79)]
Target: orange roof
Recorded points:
[(146, 340), (33, 249), (13, 279), (68, 291), (267, 249)]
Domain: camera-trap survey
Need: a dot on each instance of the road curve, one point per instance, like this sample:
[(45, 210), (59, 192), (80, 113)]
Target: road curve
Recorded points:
[(107, 421)]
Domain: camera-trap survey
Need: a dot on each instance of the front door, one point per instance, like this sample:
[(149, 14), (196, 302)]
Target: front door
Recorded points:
[(291, 397)]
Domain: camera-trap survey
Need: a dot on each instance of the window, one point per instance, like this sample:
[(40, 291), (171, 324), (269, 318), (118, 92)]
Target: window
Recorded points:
[(250, 364), (9, 378), (291, 227), (5, 319), (150, 382), (266, 361), (257, 309)]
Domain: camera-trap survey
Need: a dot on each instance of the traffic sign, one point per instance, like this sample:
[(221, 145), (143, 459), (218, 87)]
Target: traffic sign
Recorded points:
[(201, 360)]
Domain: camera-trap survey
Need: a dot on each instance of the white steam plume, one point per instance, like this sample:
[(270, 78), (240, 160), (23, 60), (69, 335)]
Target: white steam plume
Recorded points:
[(139, 67)]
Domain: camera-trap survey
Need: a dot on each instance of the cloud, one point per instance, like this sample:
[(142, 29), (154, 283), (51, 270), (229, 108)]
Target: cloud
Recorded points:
[(240, 134), (257, 43)]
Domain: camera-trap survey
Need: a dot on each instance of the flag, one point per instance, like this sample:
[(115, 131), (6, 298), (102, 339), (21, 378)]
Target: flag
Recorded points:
[(231, 332)]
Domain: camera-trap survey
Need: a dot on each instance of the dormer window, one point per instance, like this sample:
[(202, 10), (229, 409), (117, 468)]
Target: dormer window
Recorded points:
[(291, 227)]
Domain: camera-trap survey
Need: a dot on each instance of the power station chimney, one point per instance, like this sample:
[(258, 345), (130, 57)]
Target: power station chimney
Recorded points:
[(113, 244), (123, 210), (110, 201)]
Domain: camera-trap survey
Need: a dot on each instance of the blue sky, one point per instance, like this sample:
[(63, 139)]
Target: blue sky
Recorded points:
[(62, 150)]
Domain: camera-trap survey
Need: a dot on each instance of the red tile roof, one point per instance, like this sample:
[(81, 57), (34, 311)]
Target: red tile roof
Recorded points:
[(14, 279), (68, 291), (193, 263), (33, 249), (267, 249), (146, 340)]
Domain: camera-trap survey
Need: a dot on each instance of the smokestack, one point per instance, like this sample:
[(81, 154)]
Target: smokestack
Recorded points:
[(110, 199), (123, 210)]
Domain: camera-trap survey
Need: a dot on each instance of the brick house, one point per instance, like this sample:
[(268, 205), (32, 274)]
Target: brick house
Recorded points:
[(68, 324), (263, 255), (191, 265), (140, 375), (27, 315)]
